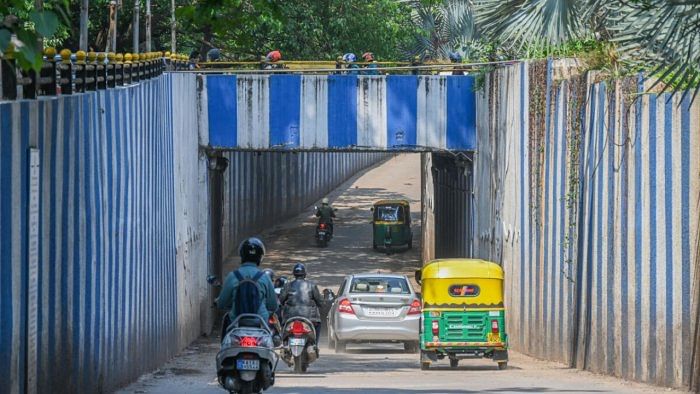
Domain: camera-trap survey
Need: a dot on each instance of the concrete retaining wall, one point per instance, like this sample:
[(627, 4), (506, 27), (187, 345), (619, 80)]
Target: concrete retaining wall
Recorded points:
[(265, 188), (591, 202)]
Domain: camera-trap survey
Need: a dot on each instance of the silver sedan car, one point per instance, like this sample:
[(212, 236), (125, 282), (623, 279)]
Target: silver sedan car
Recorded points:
[(374, 308)]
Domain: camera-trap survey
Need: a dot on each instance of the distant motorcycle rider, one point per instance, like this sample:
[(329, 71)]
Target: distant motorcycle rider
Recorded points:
[(251, 251), (325, 213), (301, 297)]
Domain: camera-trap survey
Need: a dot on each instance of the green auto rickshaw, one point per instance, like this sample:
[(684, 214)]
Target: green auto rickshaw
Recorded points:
[(463, 315), (391, 225)]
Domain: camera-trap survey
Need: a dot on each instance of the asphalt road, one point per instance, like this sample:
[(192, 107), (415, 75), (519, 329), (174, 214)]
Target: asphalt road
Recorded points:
[(370, 368)]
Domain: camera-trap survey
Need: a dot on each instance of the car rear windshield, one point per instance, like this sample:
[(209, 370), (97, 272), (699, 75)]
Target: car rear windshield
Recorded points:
[(380, 285)]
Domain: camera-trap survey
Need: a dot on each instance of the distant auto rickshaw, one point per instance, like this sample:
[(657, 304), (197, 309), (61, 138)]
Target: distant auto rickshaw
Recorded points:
[(463, 312), (391, 224)]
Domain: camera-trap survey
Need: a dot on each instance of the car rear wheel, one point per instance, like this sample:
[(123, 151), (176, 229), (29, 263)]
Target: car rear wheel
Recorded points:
[(340, 346), (331, 342)]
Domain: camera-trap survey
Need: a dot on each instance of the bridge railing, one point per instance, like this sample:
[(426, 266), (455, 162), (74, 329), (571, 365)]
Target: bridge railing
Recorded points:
[(68, 73)]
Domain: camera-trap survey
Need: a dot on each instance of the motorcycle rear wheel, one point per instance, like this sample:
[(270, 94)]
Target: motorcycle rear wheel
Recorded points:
[(300, 363)]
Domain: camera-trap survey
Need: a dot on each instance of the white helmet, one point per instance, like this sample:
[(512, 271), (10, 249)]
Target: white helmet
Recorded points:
[(324, 201)]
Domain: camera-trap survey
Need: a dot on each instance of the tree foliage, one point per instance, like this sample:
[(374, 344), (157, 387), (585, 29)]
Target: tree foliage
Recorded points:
[(23, 27)]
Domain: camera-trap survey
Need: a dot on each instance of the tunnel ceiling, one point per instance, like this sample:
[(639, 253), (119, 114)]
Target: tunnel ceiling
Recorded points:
[(338, 112)]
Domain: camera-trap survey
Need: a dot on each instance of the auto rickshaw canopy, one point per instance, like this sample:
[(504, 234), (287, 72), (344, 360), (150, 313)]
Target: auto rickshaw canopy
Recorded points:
[(461, 284), (462, 268)]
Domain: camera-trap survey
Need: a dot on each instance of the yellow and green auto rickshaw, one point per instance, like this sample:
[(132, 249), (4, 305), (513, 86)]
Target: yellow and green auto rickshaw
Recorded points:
[(391, 224), (463, 314)]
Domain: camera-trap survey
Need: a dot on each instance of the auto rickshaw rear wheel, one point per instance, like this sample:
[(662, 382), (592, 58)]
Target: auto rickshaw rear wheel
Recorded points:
[(454, 363), (424, 366), (503, 365)]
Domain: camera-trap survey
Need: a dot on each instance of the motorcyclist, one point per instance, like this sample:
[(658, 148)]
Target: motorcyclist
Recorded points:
[(301, 297), (325, 213), (251, 251)]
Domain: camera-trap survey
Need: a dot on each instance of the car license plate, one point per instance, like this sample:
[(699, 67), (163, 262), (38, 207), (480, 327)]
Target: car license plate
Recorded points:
[(381, 312), (297, 341), (247, 365)]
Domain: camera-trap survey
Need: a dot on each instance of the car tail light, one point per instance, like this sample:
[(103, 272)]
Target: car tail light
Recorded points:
[(415, 308), (436, 327), (248, 342), (494, 326), (344, 306), (298, 328)]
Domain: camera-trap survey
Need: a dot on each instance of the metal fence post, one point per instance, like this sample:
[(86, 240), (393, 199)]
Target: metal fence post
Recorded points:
[(9, 74), (66, 72), (101, 71), (47, 78)]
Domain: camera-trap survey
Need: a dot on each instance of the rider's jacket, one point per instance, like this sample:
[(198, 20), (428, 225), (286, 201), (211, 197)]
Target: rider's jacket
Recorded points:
[(300, 297), (325, 214)]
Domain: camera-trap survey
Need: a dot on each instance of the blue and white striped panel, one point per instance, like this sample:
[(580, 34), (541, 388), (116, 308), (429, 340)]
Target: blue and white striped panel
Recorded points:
[(339, 112)]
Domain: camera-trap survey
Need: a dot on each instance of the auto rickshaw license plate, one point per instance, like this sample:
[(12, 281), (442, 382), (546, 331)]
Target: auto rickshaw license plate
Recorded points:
[(247, 365)]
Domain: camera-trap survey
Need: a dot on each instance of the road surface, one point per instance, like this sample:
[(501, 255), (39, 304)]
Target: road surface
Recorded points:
[(370, 368)]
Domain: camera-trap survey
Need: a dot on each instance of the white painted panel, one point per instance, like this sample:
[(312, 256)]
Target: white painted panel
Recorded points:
[(371, 112), (253, 124), (431, 128), (314, 112)]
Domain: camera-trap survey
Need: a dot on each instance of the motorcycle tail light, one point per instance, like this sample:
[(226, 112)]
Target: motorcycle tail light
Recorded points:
[(322, 225), (435, 327), (344, 306), (415, 308), (494, 326), (299, 328), (248, 342)]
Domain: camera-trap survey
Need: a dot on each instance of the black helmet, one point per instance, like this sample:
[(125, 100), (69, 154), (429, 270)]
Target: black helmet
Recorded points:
[(299, 270), (269, 272), (281, 281), (252, 250)]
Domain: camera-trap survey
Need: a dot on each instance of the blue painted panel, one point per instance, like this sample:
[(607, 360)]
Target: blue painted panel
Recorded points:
[(402, 108), (6, 228), (461, 113), (285, 107), (222, 107), (342, 111)]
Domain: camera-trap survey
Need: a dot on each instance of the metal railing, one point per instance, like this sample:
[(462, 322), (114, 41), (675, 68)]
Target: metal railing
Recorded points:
[(83, 72)]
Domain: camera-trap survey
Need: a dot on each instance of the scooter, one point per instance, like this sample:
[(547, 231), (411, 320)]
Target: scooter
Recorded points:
[(299, 340), (323, 234), (247, 361)]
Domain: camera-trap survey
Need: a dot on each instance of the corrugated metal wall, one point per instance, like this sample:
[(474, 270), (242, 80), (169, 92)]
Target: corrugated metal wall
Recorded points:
[(264, 188), (90, 297), (338, 112), (452, 194), (595, 226)]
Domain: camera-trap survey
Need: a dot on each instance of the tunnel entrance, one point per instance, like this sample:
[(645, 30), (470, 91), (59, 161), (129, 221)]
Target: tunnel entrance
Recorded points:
[(253, 192)]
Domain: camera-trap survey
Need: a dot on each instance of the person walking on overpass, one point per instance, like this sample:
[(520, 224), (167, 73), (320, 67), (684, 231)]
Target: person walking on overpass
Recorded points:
[(247, 289), (371, 67)]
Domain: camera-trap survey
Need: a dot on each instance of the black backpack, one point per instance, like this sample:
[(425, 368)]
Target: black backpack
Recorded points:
[(247, 294)]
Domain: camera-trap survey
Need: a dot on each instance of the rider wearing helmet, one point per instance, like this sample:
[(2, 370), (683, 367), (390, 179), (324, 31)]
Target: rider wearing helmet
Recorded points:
[(301, 297), (326, 213), (456, 58), (371, 67), (349, 59), (251, 251)]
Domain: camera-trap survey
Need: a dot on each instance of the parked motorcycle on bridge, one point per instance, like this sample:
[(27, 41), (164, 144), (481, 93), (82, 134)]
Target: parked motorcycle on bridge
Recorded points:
[(299, 340), (247, 362)]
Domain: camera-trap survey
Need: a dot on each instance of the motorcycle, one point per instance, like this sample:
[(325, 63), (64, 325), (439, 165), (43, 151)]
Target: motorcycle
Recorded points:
[(299, 340), (324, 232), (247, 361)]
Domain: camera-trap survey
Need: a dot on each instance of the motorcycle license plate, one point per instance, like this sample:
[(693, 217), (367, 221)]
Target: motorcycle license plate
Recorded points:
[(247, 365), (297, 341), (321, 233)]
